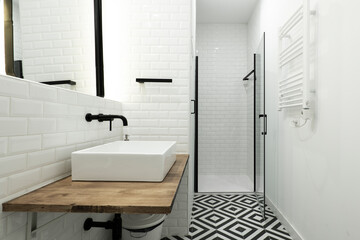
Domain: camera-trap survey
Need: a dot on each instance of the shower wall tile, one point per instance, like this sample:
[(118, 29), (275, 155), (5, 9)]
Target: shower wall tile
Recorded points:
[(222, 51), (250, 128)]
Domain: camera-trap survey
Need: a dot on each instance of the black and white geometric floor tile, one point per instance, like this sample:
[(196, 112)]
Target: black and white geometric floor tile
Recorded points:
[(232, 217)]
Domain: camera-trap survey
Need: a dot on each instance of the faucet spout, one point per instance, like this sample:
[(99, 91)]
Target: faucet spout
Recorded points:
[(124, 120), (101, 118)]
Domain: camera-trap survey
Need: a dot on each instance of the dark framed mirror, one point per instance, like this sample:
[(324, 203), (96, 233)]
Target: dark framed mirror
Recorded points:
[(8, 38), (99, 55), (55, 42)]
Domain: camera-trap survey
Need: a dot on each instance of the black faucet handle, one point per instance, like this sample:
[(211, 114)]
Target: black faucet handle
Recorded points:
[(88, 117)]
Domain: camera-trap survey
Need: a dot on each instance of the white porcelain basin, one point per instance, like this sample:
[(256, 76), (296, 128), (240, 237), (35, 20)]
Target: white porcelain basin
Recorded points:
[(147, 161)]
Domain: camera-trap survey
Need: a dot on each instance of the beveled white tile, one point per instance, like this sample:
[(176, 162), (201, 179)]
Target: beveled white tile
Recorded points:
[(18, 234), (41, 125), (2, 227), (4, 106), (85, 100), (3, 192), (68, 165), (75, 137), (12, 164), (64, 153), (91, 135), (67, 97), (24, 180), (3, 146), (16, 221), (66, 124), (100, 102), (76, 111), (13, 87), (53, 170), (55, 109), (26, 107), (53, 140), (40, 158), (43, 92), (109, 104), (24, 144)]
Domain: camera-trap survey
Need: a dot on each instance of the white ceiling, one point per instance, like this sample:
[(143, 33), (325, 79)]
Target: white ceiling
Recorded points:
[(224, 11)]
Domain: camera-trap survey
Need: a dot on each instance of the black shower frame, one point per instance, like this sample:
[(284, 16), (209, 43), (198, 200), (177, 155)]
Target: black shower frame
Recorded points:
[(264, 117), (254, 130), (196, 161), (196, 140)]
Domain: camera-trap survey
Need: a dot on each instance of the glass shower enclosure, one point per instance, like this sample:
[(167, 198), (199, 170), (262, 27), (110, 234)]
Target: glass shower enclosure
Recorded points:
[(260, 122), (256, 128)]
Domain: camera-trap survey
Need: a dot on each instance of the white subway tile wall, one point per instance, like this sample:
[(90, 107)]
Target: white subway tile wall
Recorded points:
[(222, 51), (57, 39), (152, 40), (176, 222), (39, 128), (36, 150), (250, 126), (158, 45)]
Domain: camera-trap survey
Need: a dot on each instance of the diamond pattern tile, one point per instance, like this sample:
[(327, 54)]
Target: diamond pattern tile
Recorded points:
[(232, 217)]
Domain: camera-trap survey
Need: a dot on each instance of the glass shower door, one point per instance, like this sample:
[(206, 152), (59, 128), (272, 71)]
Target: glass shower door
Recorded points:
[(260, 124)]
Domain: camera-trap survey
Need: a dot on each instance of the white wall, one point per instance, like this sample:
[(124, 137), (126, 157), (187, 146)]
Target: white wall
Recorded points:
[(222, 51), (145, 39), (39, 128), (58, 42), (312, 172)]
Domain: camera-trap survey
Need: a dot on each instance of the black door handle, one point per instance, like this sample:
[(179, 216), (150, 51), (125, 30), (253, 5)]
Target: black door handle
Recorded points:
[(265, 123), (194, 106)]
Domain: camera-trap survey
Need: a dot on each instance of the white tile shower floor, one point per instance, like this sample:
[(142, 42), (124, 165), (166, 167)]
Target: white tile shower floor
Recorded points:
[(224, 183)]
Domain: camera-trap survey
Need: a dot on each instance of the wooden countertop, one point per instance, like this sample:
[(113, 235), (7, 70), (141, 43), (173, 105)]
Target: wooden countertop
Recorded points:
[(104, 197)]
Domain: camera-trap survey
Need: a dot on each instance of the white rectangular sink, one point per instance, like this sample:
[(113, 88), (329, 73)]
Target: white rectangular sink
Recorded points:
[(147, 161)]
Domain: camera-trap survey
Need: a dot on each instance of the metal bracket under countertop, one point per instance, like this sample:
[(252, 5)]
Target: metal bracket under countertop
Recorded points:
[(31, 226)]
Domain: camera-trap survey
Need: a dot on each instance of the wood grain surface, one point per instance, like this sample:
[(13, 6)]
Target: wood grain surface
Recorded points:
[(104, 197)]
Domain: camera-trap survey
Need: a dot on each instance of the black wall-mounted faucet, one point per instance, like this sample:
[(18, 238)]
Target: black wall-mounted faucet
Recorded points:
[(101, 118)]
